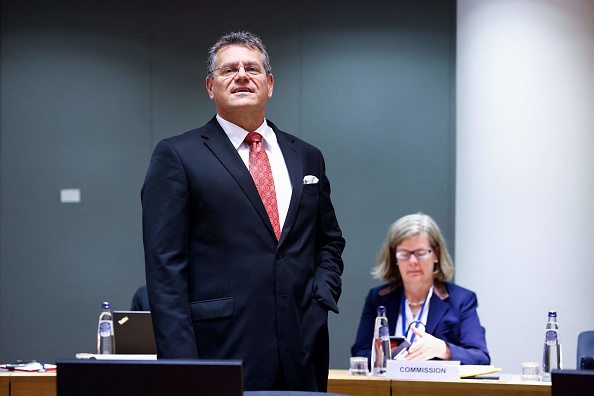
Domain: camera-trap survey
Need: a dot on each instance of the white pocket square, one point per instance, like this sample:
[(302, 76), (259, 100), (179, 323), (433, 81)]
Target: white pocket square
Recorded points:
[(310, 179)]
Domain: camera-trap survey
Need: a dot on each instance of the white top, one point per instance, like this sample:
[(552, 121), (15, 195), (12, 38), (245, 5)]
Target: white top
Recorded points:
[(410, 318), (280, 174)]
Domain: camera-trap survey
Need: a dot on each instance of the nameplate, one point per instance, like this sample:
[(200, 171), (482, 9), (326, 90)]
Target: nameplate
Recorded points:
[(428, 370)]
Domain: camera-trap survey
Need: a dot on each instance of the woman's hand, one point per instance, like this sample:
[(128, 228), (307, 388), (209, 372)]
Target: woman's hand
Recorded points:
[(427, 347)]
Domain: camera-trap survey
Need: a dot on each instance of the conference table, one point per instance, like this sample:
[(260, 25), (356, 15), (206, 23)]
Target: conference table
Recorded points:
[(339, 381)]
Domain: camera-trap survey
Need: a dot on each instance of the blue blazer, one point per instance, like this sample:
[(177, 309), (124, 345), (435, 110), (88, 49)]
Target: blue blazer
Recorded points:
[(220, 285), (452, 318)]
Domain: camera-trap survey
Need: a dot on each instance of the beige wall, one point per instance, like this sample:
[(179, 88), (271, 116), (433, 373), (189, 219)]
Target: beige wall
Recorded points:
[(525, 170)]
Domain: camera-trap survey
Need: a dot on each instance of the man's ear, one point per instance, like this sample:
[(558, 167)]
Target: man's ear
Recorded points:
[(209, 85), (270, 79)]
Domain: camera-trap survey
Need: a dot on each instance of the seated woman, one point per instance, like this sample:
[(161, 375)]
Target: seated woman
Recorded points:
[(438, 318)]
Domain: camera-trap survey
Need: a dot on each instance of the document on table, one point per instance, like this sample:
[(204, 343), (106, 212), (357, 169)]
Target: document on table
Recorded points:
[(30, 367)]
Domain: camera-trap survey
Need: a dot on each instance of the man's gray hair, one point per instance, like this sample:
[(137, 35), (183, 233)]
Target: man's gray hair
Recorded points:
[(244, 39)]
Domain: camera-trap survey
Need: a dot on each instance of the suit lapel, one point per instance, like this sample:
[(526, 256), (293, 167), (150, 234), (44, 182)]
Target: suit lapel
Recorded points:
[(219, 144), (392, 304), (292, 158), (437, 309)]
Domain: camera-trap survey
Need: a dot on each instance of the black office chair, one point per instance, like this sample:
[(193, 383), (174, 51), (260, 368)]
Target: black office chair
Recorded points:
[(100, 377), (585, 346), (572, 383)]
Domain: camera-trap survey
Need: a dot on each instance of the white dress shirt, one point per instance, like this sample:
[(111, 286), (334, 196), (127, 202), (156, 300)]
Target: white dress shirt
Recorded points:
[(280, 174), (411, 318)]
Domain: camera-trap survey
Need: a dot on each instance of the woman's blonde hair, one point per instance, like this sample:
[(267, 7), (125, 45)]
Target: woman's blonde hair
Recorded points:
[(407, 227)]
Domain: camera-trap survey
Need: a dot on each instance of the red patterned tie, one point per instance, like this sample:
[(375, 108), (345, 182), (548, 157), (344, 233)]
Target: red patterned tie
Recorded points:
[(262, 175)]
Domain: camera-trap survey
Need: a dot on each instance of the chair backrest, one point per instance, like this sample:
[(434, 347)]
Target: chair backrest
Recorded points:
[(89, 377), (585, 346), (572, 383)]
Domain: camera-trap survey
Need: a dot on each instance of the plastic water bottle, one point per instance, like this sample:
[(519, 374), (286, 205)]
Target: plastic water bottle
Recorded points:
[(105, 339), (382, 354), (551, 358), (380, 347)]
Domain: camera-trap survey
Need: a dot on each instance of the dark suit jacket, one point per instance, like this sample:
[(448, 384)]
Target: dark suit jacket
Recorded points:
[(220, 285), (140, 300), (452, 319)]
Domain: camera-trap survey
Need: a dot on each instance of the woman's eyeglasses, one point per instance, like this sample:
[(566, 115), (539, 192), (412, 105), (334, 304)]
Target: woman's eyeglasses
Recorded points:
[(420, 254)]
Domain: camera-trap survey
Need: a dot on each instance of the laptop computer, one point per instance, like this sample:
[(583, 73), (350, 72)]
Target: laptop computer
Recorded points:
[(572, 382), (133, 333), (91, 377)]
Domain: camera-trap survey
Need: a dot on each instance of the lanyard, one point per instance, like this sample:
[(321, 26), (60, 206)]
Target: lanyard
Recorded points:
[(403, 314)]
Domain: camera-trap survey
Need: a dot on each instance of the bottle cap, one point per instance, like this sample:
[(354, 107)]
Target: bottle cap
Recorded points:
[(553, 314), (105, 305), (381, 310)]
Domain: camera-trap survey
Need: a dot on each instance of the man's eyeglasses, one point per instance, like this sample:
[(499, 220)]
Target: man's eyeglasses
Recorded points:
[(420, 254), (232, 70)]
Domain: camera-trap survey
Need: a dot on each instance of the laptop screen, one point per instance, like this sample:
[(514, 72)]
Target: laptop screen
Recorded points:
[(133, 333), (90, 377)]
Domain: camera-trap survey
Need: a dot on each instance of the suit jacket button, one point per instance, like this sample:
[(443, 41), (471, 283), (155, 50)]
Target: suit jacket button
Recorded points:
[(279, 256)]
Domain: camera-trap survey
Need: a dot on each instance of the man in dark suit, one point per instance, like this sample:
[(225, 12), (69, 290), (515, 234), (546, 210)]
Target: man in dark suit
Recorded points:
[(223, 282)]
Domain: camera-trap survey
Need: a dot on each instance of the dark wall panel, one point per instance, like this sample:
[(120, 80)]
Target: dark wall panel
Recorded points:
[(88, 90), (183, 32), (377, 100), (75, 114)]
